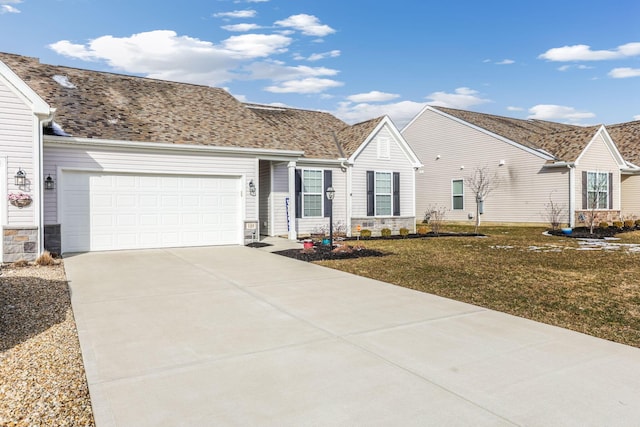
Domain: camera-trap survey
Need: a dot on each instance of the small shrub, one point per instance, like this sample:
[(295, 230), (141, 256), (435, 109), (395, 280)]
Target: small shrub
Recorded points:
[(617, 224), (385, 232), (629, 223), (637, 222), (364, 233), (45, 259), (603, 224), (422, 229), (20, 263), (404, 232)]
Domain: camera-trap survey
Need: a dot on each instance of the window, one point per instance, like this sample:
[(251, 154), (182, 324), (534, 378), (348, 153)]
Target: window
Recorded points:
[(383, 193), (597, 190), (457, 192), (312, 193)]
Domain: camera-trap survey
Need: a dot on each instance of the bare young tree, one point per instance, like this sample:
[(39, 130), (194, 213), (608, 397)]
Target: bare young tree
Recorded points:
[(597, 197), (481, 184), (554, 212), (434, 216)]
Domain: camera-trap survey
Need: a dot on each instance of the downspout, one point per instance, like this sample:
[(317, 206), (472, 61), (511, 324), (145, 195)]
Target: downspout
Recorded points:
[(43, 121), (572, 195)]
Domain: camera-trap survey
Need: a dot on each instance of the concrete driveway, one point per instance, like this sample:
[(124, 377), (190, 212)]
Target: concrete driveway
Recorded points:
[(239, 336)]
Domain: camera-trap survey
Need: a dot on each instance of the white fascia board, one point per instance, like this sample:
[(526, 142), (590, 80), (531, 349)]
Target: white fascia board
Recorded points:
[(95, 142), (386, 121), (542, 154), (37, 104)]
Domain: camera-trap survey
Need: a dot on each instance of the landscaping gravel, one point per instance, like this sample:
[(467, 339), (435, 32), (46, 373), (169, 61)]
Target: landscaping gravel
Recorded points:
[(42, 377)]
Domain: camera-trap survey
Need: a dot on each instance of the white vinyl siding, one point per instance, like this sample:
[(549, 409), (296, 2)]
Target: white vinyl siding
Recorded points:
[(457, 194), (17, 143), (451, 150), (368, 160), (630, 187), (312, 193), (384, 195), (146, 161), (598, 157)]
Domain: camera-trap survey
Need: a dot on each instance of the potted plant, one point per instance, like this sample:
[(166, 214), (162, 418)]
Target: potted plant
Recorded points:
[(20, 200)]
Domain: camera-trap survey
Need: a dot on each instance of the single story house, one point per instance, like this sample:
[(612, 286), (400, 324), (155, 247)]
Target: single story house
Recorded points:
[(93, 161), (591, 170)]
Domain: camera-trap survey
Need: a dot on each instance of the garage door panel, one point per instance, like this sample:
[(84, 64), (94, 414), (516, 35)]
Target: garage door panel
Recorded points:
[(121, 211)]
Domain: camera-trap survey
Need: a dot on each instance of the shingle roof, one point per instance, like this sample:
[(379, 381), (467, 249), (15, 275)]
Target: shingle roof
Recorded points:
[(627, 138), (564, 142), (311, 131), (93, 104), (352, 137)]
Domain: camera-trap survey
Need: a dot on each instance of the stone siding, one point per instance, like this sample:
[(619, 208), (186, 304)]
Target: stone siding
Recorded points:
[(376, 224), (20, 243), (52, 238)]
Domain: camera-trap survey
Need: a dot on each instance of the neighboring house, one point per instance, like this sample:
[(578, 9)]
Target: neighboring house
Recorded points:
[(535, 162), (120, 162)]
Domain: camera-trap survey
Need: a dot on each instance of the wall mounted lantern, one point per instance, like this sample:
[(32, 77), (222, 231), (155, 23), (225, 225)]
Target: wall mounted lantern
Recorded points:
[(252, 188), (330, 193), (21, 178), (49, 183)]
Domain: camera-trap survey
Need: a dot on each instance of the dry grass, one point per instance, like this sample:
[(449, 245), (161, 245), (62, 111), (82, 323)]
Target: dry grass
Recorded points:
[(522, 272)]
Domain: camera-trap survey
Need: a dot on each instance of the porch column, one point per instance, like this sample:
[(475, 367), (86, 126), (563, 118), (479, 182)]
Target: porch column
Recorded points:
[(572, 196), (291, 214)]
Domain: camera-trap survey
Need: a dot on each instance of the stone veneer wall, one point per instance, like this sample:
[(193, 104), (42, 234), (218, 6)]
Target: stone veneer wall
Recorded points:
[(20, 243), (52, 238), (376, 224)]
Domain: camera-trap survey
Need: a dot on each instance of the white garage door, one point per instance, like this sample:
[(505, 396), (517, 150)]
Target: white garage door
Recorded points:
[(109, 211)]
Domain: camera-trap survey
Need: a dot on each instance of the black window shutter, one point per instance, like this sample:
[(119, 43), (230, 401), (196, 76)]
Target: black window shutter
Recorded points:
[(396, 194), (298, 193), (371, 185), (610, 190), (584, 190), (328, 204)]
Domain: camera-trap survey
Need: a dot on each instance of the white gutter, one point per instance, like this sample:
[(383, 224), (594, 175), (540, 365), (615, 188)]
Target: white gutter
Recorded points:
[(96, 142)]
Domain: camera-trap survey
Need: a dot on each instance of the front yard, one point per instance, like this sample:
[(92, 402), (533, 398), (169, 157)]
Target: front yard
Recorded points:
[(518, 270)]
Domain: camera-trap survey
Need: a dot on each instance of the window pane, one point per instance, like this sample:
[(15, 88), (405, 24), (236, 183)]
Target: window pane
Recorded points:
[(383, 205), (312, 182), (312, 205), (458, 202), (383, 183), (457, 187)]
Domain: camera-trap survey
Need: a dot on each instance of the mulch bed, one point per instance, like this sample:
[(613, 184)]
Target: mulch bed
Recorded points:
[(321, 253), (598, 233)]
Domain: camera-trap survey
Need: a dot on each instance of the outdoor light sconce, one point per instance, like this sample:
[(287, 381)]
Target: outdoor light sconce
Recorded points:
[(21, 178), (49, 183), (252, 188)]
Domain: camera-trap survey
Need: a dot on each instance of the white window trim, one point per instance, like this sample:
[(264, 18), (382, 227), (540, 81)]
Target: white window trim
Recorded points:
[(375, 193), (606, 191), (321, 193), (453, 196)]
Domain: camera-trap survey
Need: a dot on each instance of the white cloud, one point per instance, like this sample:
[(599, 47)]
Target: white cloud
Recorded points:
[(309, 25), (373, 96), (583, 52), (400, 112), (236, 14), (278, 71), (163, 54), (241, 28), (637, 117), (625, 72), (5, 6), (463, 98), (506, 62), (319, 56), (308, 85), (558, 113), (511, 108)]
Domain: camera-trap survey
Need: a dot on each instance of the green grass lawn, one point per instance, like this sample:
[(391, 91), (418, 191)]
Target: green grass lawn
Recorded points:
[(520, 271)]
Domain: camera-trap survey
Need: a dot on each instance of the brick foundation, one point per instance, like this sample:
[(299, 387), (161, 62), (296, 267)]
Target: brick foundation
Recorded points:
[(20, 243)]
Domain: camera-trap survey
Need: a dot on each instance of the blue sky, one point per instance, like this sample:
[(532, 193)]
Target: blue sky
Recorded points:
[(571, 62)]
